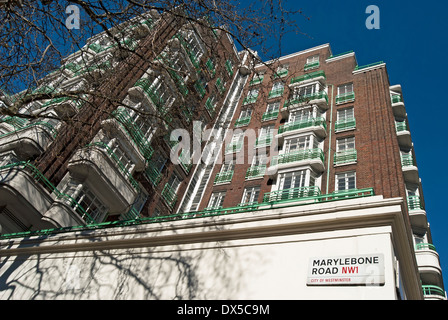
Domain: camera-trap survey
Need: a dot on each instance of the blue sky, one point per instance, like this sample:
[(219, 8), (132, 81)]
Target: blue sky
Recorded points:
[(411, 40)]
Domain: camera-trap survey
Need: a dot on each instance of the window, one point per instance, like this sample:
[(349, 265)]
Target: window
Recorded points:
[(265, 137), (345, 144), (236, 143), (345, 88), (216, 200), (312, 59), (257, 79), (312, 62), (86, 204), (194, 46), (273, 107), (345, 119), (250, 195), (305, 91), (345, 93), (282, 71), (345, 181), (251, 96), (301, 115), (300, 143), (244, 117), (277, 89), (291, 180), (345, 151), (346, 114), (271, 111)]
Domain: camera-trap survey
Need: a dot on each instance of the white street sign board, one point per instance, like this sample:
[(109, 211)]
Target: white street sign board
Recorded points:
[(367, 269)]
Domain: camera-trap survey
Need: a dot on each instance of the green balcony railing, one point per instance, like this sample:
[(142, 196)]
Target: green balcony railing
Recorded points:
[(134, 132), (39, 177), (369, 65), (234, 147), (256, 80), (250, 99), (433, 291), (15, 121), (425, 246), (211, 212), (169, 195), (276, 93), (224, 177), (293, 193), (346, 124), (308, 76), (345, 97), (312, 65), (300, 155), (121, 167), (414, 203), (312, 194), (229, 68), (154, 175), (346, 156), (267, 116), (264, 141), (407, 160), (401, 126), (51, 129), (241, 122), (307, 98), (255, 172), (396, 98), (312, 122), (154, 96), (280, 74), (210, 67)]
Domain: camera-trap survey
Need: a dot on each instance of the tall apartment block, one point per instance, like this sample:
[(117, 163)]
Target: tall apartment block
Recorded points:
[(303, 183)]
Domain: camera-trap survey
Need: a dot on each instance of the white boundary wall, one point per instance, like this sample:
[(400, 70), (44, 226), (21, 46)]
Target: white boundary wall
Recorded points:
[(253, 255)]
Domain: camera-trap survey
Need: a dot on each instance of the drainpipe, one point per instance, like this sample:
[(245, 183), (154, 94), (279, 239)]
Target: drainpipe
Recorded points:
[(329, 139)]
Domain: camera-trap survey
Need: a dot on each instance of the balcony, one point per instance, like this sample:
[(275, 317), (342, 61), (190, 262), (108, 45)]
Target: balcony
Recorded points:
[(223, 177), (255, 172), (345, 157), (30, 140), (234, 147), (169, 196), (417, 213), (398, 107), (23, 198), (345, 98), (433, 293), (250, 99), (403, 134), (107, 175), (268, 116), (264, 141), (64, 106), (309, 77), (316, 125), (319, 98), (311, 157), (142, 89), (410, 170), (311, 65), (293, 194), (344, 125), (241, 122), (276, 93), (153, 175), (428, 263), (134, 132)]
